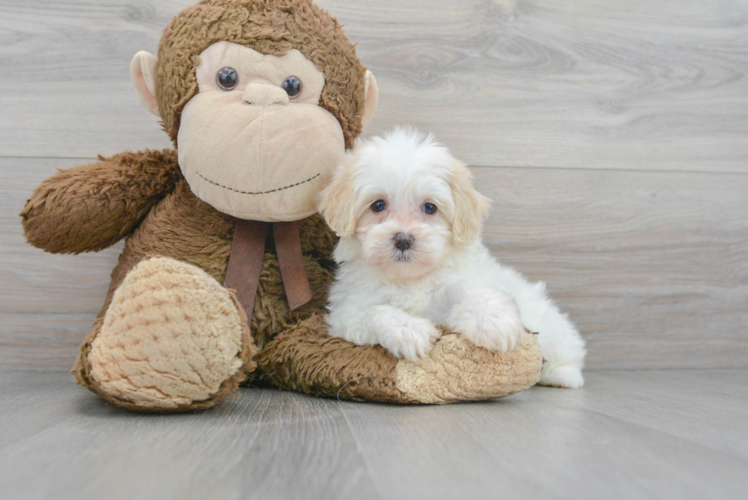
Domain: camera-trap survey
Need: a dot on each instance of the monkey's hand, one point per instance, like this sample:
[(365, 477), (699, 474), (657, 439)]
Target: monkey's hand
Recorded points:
[(91, 207)]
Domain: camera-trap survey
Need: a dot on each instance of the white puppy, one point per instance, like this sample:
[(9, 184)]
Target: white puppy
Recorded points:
[(411, 257)]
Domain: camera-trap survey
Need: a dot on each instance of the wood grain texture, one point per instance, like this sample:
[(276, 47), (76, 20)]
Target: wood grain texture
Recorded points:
[(698, 406), (551, 83), (634, 115), (47, 302), (651, 266), (548, 443), (261, 446), (626, 435)]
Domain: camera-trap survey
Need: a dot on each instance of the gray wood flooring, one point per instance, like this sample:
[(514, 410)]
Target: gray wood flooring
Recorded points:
[(628, 434), (612, 136)]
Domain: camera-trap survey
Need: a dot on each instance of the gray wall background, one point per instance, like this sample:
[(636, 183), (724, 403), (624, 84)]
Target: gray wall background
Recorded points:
[(612, 136)]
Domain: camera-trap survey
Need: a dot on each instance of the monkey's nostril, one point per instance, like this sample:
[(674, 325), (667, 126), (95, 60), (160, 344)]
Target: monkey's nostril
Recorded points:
[(403, 241)]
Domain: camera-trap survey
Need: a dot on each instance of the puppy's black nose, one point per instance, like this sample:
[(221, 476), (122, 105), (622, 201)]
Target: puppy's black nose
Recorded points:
[(403, 241)]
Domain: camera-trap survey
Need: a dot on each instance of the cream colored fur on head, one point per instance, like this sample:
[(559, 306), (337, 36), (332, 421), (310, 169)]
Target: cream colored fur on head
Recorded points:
[(353, 190), (410, 257), (403, 172)]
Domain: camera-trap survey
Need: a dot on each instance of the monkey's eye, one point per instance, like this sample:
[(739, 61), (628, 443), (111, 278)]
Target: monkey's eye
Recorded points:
[(378, 206), (227, 78), (429, 208), (292, 86)]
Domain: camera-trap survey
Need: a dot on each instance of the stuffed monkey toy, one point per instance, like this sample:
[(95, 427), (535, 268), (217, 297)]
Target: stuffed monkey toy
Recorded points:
[(226, 264)]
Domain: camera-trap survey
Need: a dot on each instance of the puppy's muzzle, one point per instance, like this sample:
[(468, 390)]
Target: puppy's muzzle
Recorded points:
[(403, 242)]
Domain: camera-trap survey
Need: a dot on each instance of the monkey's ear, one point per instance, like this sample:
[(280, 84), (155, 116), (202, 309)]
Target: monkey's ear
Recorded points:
[(143, 73), (372, 98), (470, 205), (338, 202)]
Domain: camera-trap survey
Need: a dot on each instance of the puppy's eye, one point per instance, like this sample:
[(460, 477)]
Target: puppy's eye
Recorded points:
[(227, 78), (429, 208), (378, 206), (292, 86)]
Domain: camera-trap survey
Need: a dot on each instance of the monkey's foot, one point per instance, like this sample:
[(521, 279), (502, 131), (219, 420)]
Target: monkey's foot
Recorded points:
[(457, 370), (305, 359), (173, 339)]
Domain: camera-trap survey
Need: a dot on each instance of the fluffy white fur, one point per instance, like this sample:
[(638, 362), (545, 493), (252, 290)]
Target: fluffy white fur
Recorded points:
[(394, 296)]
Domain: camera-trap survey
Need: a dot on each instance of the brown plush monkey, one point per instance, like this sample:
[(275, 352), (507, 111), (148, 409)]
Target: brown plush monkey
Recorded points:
[(261, 99)]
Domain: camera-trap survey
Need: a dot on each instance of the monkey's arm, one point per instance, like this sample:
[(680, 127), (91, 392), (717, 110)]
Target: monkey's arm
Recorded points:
[(91, 207)]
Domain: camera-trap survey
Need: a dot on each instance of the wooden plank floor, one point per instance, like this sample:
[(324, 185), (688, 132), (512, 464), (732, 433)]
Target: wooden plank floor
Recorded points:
[(628, 434)]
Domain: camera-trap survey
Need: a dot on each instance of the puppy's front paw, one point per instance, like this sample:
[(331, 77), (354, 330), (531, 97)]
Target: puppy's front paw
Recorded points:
[(489, 318), (406, 336)]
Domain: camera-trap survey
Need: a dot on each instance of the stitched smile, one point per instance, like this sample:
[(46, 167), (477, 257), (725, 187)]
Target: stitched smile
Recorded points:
[(258, 192)]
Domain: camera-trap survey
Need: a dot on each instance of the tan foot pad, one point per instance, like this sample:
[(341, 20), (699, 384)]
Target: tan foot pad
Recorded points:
[(457, 370), (171, 336)]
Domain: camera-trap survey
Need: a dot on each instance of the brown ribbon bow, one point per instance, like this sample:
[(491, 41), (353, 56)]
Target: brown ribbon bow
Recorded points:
[(245, 262)]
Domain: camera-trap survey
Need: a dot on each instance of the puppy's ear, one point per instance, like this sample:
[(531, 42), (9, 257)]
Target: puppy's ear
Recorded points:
[(338, 201), (470, 205)]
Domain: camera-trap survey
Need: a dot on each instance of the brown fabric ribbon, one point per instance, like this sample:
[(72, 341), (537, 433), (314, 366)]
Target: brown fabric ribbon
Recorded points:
[(245, 262)]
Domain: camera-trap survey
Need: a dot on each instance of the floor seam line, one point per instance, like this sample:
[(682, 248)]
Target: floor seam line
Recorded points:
[(359, 450), (665, 433)]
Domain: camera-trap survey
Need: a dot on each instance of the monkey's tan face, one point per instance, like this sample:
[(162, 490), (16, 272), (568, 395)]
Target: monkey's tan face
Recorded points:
[(254, 142)]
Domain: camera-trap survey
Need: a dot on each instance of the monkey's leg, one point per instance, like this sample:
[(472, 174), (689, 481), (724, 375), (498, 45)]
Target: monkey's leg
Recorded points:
[(172, 339), (303, 358)]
